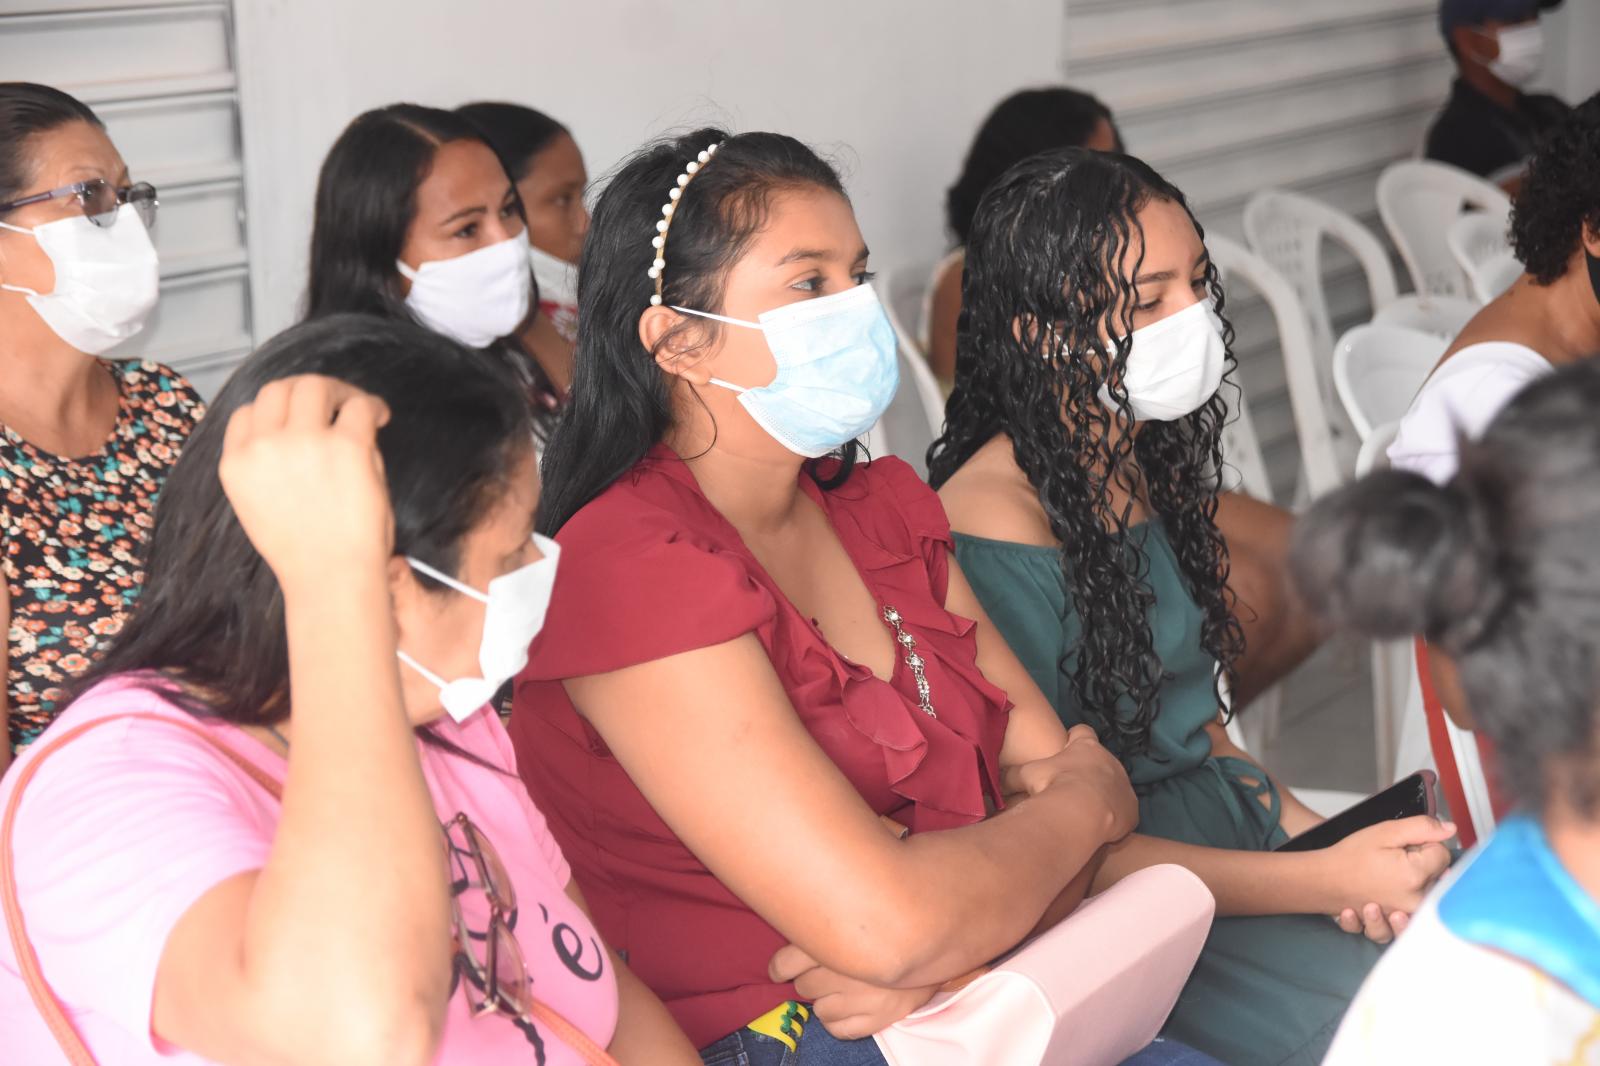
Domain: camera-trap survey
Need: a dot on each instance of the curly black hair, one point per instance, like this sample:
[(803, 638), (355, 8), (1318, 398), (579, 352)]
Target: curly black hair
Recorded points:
[(1057, 240), (1560, 195), (1499, 568)]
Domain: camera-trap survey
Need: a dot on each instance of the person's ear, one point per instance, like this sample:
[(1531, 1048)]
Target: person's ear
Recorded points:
[(1590, 237), (405, 593), (675, 350)]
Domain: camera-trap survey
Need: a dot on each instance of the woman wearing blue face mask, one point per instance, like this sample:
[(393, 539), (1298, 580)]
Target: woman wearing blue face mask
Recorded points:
[(761, 644), (1080, 467), (85, 441), (416, 218)]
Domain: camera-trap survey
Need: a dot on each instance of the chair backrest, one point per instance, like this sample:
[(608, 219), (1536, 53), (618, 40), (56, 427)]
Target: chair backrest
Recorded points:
[(1378, 370), (1318, 455), (1245, 466), (1287, 230), (916, 415), (1442, 316), (1374, 454), (1419, 200), (1479, 244)]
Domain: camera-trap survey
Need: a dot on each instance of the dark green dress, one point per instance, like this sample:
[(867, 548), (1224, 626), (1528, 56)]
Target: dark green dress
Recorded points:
[(1268, 990)]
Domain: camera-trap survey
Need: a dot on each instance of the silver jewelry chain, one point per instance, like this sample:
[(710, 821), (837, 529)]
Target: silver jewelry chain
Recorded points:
[(913, 660)]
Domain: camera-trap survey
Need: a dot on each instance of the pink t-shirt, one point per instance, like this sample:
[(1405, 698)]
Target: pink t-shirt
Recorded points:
[(123, 829)]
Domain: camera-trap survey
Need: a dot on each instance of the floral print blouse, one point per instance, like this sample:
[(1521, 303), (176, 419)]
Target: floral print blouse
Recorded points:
[(72, 533)]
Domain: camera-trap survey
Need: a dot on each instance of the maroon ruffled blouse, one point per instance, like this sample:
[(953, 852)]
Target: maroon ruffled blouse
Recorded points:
[(650, 569)]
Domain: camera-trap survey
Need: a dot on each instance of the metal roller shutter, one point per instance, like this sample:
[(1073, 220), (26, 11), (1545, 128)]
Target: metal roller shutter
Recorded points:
[(161, 76)]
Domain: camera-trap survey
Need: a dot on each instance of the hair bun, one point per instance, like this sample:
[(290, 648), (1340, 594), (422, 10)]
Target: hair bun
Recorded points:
[(1395, 554)]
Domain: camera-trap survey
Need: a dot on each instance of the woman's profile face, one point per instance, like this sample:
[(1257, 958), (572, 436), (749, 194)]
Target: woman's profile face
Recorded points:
[(465, 203), (69, 153), (552, 197), (1170, 276), (810, 247), (442, 628)]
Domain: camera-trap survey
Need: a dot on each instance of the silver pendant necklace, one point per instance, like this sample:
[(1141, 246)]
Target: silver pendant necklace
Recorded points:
[(913, 660)]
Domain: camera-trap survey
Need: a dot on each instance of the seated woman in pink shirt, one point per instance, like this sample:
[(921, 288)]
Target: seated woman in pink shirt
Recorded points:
[(279, 823)]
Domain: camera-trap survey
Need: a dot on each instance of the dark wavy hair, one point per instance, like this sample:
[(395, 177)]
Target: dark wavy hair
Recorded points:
[(1499, 568), (1052, 248), (620, 405), (211, 614), (1022, 125), (516, 133), (1560, 195), (26, 109)]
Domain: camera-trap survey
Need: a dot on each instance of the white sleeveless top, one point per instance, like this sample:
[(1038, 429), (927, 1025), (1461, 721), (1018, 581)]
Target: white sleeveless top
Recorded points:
[(1461, 397)]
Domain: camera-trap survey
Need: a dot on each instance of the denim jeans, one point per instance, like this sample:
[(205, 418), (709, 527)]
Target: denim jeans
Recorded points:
[(818, 1047)]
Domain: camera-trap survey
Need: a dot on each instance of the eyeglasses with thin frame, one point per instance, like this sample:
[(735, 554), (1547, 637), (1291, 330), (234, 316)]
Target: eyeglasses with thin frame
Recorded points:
[(99, 200), (492, 960)]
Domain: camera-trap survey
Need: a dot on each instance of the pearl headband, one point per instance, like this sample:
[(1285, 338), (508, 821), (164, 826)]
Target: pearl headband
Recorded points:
[(659, 241)]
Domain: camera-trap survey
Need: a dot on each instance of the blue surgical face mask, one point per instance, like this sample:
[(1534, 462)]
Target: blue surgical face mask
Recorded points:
[(837, 370)]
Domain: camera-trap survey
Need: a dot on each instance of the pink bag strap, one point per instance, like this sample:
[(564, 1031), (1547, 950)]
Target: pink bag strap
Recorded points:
[(44, 999), (49, 1007)]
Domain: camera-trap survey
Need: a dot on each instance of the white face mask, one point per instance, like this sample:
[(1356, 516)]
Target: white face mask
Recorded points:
[(557, 278), (475, 298), (1521, 54), (107, 279), (838, 370), (517, 603), (1174, 366)]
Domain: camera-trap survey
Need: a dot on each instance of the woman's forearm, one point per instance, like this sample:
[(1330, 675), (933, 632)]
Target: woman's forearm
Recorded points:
[(1024, 856), (1243, 882), (356, 879)]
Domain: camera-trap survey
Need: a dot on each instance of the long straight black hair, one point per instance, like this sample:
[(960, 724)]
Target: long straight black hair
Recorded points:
[(1052, 246), (621, 403), (210, 617)]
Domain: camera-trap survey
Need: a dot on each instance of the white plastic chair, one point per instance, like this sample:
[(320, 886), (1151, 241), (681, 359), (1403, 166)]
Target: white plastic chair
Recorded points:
[(1287, 230), (916, 414), (1418, 201), (1321, 466), (1378, 370), (1442, 316), (1478, 243), (1393, 666)]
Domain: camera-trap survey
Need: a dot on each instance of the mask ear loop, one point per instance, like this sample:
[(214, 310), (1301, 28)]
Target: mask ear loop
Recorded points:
[(437, 681), (719, 318), (446, 579), (18, 288)]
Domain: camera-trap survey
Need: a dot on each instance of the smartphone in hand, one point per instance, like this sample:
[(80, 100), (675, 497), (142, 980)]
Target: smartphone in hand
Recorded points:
[(1412, 796)]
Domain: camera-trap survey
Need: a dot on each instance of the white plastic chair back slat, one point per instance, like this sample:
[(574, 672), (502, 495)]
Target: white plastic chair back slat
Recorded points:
[(1442, 316), (1393, 664), (1319, 458), (1244, 466), (1419, 200), (1479, 245), (1287, 230), (1378, 370), (916, 415)]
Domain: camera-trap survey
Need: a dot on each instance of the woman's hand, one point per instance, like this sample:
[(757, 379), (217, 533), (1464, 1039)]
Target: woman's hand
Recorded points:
[(301, 467), (1082, 763), (847, 1008), (1384, 871)]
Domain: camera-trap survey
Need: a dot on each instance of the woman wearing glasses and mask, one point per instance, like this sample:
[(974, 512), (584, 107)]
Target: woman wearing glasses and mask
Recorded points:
[(198, 866), (85, 442)]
